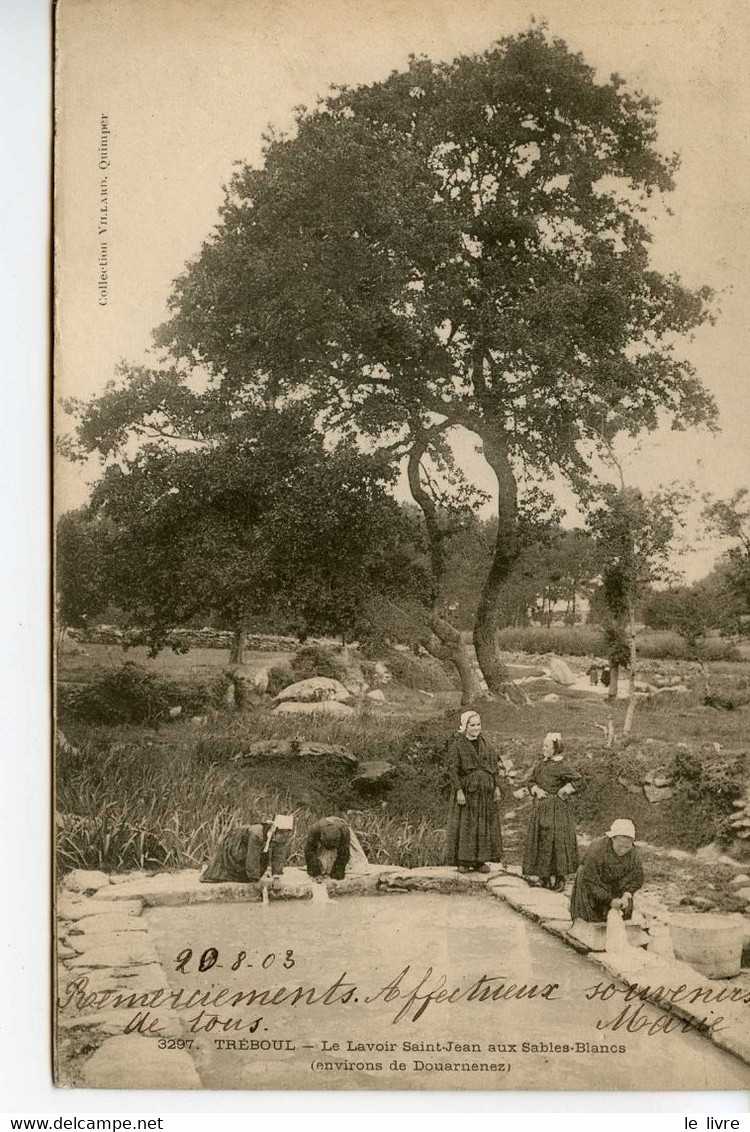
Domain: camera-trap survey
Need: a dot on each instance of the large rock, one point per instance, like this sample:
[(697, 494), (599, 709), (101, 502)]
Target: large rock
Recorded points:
[(377, 694), (658, 793), (131, 1059), (325, 707), (560, 672), (292, 749), (382, 673), (314, 690), (378, 772), (85, 880), (254, 678)]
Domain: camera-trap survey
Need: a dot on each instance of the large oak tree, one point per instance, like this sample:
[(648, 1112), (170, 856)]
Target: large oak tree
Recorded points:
[(464, 244)]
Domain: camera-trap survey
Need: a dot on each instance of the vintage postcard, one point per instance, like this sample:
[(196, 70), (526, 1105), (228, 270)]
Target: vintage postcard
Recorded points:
[(402, 638)]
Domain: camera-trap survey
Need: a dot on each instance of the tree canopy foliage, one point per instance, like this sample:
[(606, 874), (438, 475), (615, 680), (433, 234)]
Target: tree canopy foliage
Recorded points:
[(271, 525), (464, 244)]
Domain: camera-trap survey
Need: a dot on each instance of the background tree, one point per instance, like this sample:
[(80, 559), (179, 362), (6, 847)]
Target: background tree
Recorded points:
[(634, 536), (730, 519), (81, 555), (463, 244), (271, 525), (695, 611)]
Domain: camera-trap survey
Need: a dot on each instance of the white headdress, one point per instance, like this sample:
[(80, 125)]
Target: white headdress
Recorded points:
[(281, 821), (621, 827), (465, 717)]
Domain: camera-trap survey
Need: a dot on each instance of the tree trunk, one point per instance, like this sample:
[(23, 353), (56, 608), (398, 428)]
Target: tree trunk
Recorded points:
[(627, 727), (238, 646), (614, 679), (704, 673), (443, 641), (506, 552), (446, 643)]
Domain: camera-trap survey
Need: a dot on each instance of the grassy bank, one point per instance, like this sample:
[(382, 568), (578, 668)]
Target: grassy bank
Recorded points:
[(139, 797)]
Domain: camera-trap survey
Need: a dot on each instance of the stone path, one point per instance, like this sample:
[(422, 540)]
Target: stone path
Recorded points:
[(105, 955)]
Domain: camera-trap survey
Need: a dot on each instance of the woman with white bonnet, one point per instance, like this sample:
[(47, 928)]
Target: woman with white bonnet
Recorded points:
[(247, 852), (473, 835), (609, 875), (551, 851)]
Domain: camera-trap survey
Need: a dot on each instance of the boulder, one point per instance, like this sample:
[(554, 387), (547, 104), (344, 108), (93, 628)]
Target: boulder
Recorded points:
[(658, 793), (325, 707), (702, 903), (560, 672), (175, 712), (710, 853), (382, 673), (292, 749), (377, 694), (740, 880), (551, 698), (375, 773), (743, 894), (85, 880), (657, 778), (259, 679), (314, 690)]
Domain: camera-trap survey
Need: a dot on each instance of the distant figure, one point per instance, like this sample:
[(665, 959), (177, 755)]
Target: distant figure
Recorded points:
[(606, 675), (609, 875), (246, 853), (473, 834), (593, 673), (332, 850), (551, 851)]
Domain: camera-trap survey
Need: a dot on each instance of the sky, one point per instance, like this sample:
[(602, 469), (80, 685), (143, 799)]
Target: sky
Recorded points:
[(189, 86)]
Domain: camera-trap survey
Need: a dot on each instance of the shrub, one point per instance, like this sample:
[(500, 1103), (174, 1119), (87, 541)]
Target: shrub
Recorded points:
[(717, 776), (131, 694), (316, 660), (127, 694), (280, 677), (417, 672)]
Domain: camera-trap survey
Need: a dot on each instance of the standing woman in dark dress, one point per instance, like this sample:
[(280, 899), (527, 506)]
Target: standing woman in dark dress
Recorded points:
[(551, 851), (473, 835)]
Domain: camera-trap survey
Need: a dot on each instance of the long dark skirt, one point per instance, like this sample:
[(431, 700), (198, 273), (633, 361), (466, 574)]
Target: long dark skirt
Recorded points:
[(473, 834), (551, 847)]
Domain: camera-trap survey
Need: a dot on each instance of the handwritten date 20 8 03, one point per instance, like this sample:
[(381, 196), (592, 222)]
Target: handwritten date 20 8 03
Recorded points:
[(209, 958)]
